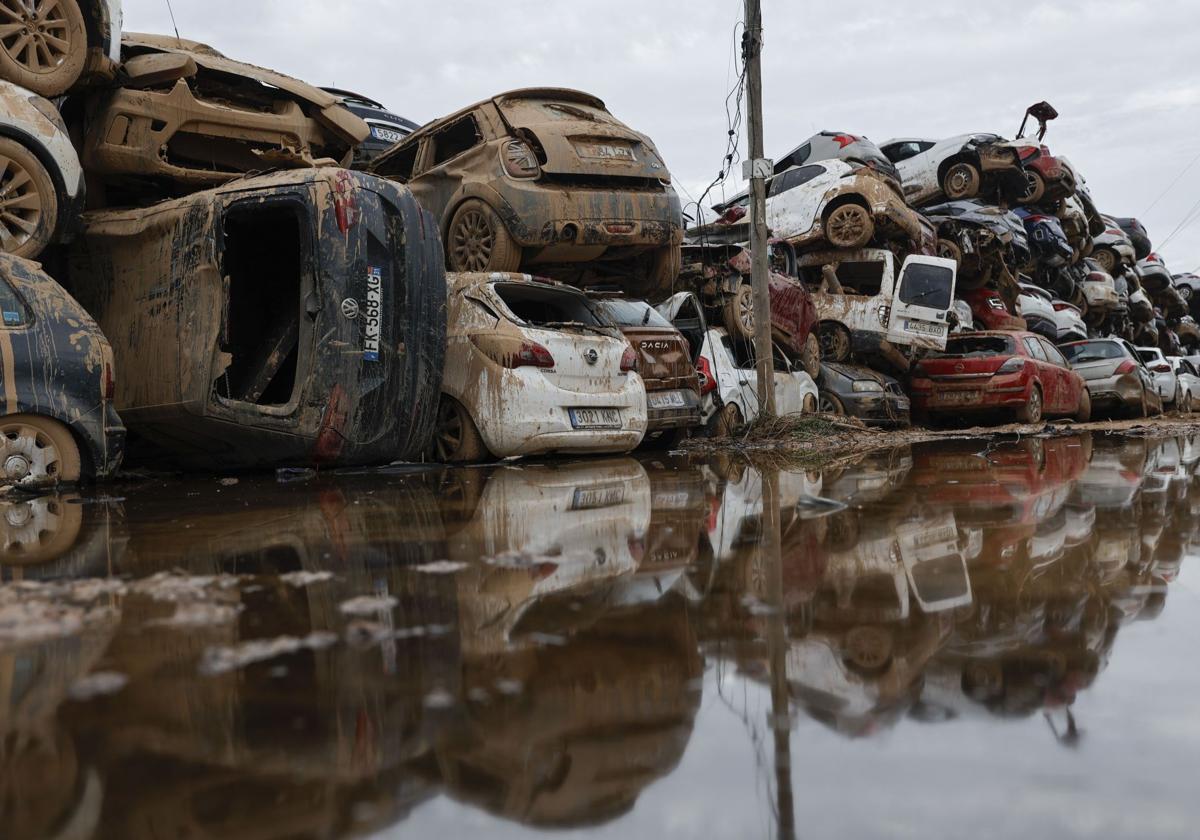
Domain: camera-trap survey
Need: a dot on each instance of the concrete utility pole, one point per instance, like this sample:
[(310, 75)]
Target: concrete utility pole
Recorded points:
[(757, 169)]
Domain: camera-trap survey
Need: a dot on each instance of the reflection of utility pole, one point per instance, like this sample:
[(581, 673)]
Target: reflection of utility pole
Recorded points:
[(758, 170), (771, 549)]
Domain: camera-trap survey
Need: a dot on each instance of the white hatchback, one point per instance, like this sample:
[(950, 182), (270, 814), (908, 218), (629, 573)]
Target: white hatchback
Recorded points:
[(533, 368), (730, 385)]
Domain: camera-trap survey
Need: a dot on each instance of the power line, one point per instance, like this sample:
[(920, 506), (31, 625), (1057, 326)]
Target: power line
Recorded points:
[(1171, 186)]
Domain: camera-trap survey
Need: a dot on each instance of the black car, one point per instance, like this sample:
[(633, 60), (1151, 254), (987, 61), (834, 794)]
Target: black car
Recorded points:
[(861, 392), (1137, 234), (59, 423), (387, 129)]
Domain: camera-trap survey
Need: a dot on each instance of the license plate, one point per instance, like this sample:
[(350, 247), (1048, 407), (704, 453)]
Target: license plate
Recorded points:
[(902, 405), (957, 397), (590, 498), (925, 328), (666, 399), (606, 151), (387, 135), (671, 501), (595, 418)]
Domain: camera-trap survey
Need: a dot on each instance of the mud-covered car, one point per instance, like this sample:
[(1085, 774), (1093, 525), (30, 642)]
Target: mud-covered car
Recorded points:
[(59, 422), (1034, 305), (990, 312), (534, 367), (1154, 275), (861, 392), (985, 241), (1048, 178), (186, 117), (545, 178), (41, 181), (1137, 234), (958, 167), (1116, 377), (288, 319), (387, 129), (730, 384), (667, 364), (1048, 241), (1113, 248), (50, 46)]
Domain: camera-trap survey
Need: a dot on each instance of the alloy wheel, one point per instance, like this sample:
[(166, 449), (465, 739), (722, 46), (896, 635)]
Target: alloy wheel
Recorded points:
[(20, 205), (472, 241), (35, 33)]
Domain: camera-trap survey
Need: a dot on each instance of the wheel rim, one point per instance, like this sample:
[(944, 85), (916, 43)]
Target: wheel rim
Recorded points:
[(449, 438), (847, 224), (827, 406), (1105, 258), (1031, 187), (29, 456), (834, 344), (20, 204), (473, 241), (30, 526), (38, 39), (745, 303), (868, 647), (1035, 406), (959, 180)]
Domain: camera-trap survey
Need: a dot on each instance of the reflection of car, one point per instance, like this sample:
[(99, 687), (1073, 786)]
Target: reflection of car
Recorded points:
[(60, 423), (667, 363), (1164, 374), (291, 318), (731, 384), (387, 129), (62, 42), (41, 181), (190, 117), (1188, 378), (1019, 372), (864, 393), (957, 167), (533, 367), (544, 177)]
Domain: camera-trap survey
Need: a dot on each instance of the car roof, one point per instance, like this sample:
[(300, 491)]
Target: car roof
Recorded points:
[(896, 140), (561, 94)]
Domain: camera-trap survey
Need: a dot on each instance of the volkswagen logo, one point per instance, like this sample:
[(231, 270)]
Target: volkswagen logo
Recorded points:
[(591, 357), (350, 308)]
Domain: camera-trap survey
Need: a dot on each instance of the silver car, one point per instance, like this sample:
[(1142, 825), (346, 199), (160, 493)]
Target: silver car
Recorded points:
[(1165, 380), (1116, 378)]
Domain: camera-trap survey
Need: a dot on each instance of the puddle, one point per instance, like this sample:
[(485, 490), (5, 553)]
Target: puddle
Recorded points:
[(943, 636)]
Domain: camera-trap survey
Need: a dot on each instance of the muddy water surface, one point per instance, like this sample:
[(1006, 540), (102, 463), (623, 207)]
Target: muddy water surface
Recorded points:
[(960, 639)]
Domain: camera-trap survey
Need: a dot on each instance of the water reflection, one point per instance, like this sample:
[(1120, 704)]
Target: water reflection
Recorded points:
[(341, 655)]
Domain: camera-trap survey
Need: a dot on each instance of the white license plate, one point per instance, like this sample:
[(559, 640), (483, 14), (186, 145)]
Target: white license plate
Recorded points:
[(956, 397), (590, 498), (925, 328), (605, 151), (666, 399), (595, 418), (902, 405), (387, 135), (671, 501)]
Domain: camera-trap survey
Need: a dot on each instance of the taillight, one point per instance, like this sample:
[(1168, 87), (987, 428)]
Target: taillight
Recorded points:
[(1013, 365), (629, 361), (1161, 368), (513, 353), (1065, 307), (1127, 366), (708, 382), (110, 383), (520, 160)]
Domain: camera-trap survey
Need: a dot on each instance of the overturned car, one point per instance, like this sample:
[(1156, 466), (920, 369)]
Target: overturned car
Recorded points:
[(288, 319)]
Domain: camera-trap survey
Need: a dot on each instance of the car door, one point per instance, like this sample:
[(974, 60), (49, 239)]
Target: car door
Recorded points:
[(921, 301), (794, 198), (1069, 384), (1047, 378)]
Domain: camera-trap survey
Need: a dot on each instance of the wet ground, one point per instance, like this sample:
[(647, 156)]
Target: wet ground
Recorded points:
[(953, 639)]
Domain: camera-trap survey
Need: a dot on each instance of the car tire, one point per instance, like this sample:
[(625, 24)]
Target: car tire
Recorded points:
[(1106, 258), (810, 356), (38, 451), (28, 201), (962, 180), (22, 51), (811, 404), (725, 422), (1031, 413), (949, 250), (1084, 414), (830, 404), (738, 313), (1035, 188), (836, 344), (849, 225), (39, 530), (1185, 403), (477, 240), (456, 438), (868, 649)]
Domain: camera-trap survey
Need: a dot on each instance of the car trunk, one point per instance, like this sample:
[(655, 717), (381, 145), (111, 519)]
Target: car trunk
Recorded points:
[(964, 368), (666, 358), (1099, 369)]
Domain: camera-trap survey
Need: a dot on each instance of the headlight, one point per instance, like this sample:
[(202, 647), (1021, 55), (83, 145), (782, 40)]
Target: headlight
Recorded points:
[(866, 386)]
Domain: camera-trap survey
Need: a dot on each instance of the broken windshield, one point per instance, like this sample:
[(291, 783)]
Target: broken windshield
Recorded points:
[(976, 347), (543, 306)]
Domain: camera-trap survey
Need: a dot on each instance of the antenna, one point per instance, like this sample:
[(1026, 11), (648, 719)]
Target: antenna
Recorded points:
[(173, 23)]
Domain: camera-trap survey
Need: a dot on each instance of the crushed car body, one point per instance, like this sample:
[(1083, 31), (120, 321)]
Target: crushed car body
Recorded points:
[(295, 318)]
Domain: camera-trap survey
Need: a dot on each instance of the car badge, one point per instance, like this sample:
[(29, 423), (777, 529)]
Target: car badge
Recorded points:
[(350, 308), (959, 368), (591, 357)]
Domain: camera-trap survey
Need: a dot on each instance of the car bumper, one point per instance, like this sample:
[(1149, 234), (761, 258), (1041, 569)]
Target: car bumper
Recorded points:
[(879, 409), (1072, 332), (1042, 326), (685, 417), (976, 395), (1115, 391), (103, 435)]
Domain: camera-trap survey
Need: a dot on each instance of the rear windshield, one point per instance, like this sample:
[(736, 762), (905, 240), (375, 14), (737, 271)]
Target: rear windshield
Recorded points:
[(1093, 351), (548, 306), (977, 347), (632, 313), (927, 285), (1148, 355)]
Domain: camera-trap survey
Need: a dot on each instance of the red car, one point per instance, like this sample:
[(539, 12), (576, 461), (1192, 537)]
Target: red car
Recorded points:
[(999, 371), (1048, 177), (989, 310)]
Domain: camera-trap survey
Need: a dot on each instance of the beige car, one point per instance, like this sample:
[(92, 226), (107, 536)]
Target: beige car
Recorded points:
[(544, 178)]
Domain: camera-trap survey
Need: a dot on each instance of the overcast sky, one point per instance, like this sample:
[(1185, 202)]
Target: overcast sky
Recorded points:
[(1123, 75)]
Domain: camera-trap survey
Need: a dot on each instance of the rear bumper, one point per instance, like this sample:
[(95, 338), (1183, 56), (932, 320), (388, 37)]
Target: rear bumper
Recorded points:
[(1042, 326), (1115, 391), (886, 409), (948, 397), (687, 417)]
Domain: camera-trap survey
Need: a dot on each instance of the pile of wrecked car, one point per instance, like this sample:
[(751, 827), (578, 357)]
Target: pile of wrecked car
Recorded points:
[(240, 270)]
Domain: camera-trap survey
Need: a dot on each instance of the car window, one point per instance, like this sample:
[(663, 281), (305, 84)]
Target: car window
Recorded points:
[(456, 138), (1052, 353), (903, 151), (978, 346), (1094, 351), (547, 306), (1148, 356), (794, 177), (399, 165), (1034, 349), (632, 313), (12, 308), (796, 158), (926, 285)]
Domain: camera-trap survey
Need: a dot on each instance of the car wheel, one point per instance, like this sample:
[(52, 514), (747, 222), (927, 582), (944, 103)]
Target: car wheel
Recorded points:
[(44, 48), (39, 530), (1106, 258), (725, 422), (738, 313), (835, 342), (810, 404), (961, 180), (456, 438), (832, 405), (479, 241), (28, 201), (810, 356), (1185, 403), (37, 452), (949, 250), (1035, 188), (1084, 414), (849, 226), (869, 648), (1031, 412)]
